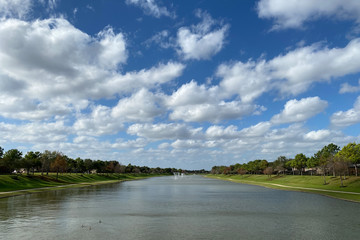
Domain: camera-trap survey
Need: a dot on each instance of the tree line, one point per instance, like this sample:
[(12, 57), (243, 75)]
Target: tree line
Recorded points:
[(54, 161), (329, 160)]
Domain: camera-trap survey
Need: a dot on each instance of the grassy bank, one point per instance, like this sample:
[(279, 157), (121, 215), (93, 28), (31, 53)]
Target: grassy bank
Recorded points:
[(12, 185), (313, 184)]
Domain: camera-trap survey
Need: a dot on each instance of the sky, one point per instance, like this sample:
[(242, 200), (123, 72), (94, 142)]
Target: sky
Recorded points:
[(184, 84)]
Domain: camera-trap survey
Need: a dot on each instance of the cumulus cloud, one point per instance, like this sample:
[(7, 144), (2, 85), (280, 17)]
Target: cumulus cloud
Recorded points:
[(249, 80), (47, 60), (347, 88), (300, 110), (35, 132), (213, 112), (290, 74), (191, 94), (347, 118), (99, 122), (293, 13), (163, 131), (142, 106), (197, 103), (201, 41), (150, 7), (317, 135)]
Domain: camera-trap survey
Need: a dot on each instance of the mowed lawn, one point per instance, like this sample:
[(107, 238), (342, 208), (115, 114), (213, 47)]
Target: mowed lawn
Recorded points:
[(351, 184), (22, 182)]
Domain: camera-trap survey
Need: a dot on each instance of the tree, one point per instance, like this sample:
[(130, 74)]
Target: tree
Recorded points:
[(80, 165), (300, 162), (59, 164), (11, 160), (88, 164), (340, 167), (311, 163), (47, 157), (1, 152), (268, 171), (324, 156), (292, 164), (352, 153), (31, 161), (279, 164)]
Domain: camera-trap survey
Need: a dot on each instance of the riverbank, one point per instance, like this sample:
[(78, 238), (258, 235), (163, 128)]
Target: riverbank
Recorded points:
[(13, 185), (311, 184)]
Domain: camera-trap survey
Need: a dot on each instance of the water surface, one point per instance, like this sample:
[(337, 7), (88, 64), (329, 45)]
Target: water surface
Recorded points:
[(189, 207)]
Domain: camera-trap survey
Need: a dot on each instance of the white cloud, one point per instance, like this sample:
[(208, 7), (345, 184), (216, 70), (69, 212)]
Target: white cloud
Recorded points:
[(232, 132), (317, 135), (113, 48), (213, 112), (292, 73), (201, 41), (99, 122), (142, 106), (300, 110), (347, 118), (347, 88), (54, 66), (151, 8), (249, 80), (192, 94), (15, 8), (293, 13), (126, 144), (163, 131), (36, 132), (197, 103), (221, 132)]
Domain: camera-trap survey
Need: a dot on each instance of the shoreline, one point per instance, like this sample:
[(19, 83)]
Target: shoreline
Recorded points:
[(14, 193), (341, 195)]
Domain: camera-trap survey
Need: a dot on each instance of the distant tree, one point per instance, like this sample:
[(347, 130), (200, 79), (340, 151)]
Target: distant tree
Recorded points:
[(241, 171), (341, 166), (352, 153), (12, 160), (80, 165), (300, 162), (121, 169), (280, 164), (291, 164), (88, 164), (311, 163), (47, 158), (325, 156), (31, 161), (59, 164), (268, 171)]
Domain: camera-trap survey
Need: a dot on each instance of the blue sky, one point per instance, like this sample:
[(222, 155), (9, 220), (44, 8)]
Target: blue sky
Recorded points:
[(186, 84)]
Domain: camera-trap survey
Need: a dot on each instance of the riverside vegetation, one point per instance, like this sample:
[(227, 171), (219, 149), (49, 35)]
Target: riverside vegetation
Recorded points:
[(50, 170), (330, 171)]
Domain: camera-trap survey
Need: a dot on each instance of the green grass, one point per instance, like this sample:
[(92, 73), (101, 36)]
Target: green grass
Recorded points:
[(33, 182), (352, 184)]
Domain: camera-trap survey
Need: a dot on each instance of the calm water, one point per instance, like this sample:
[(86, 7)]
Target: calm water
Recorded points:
[(191, 207)]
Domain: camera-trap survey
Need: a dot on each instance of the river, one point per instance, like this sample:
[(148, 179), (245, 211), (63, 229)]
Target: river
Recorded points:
[(189, 207)]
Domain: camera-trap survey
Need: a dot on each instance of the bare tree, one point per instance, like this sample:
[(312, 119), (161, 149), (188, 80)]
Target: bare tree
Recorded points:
[(340, 165), (268, 171)]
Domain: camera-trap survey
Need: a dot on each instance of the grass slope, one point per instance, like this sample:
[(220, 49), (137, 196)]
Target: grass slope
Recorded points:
[(11, 185), (302, 183)]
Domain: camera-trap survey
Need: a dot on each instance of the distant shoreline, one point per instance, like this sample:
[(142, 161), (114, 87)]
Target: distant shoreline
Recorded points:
[(309, 184), (76, 181)]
